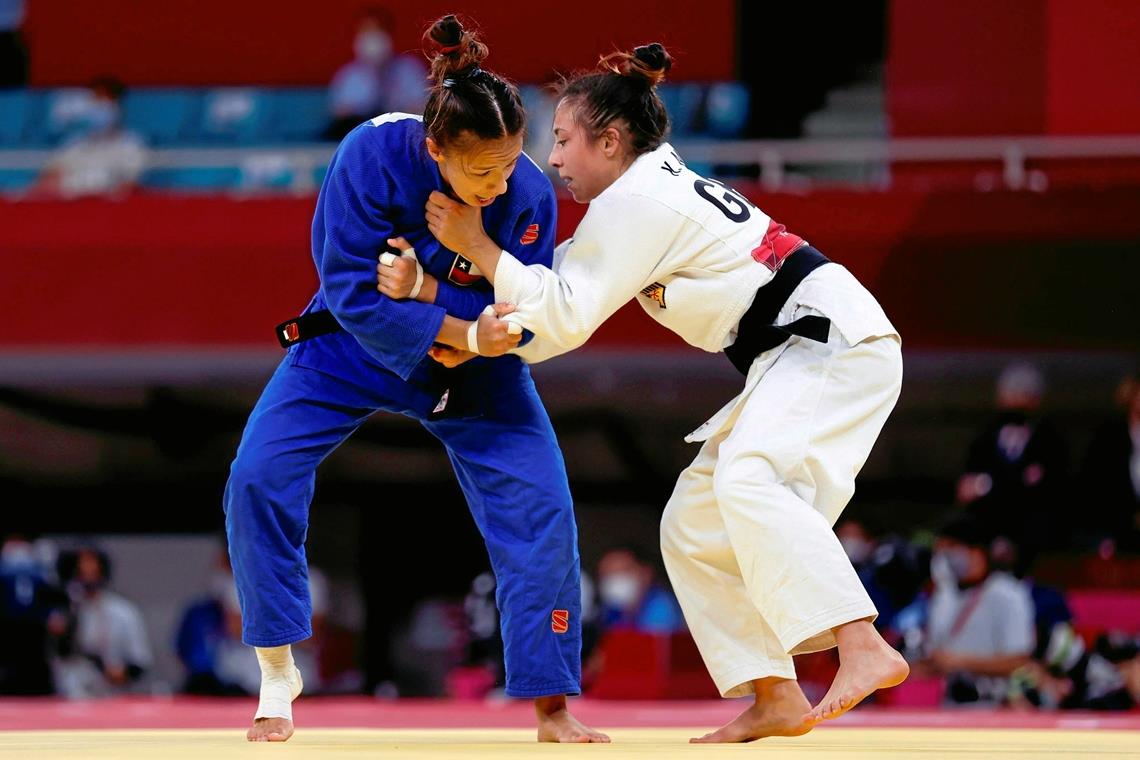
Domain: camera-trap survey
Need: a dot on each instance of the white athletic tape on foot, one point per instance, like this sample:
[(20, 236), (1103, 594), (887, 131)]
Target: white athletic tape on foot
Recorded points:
[(277, 695)]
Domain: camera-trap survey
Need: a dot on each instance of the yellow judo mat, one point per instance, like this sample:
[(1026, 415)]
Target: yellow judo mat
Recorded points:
[(488, 744)]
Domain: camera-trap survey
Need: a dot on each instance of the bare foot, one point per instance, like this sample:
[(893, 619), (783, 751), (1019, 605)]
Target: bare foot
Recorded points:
[(866, 664), (556, 724), (778, 711), (276, 729), (269, 730)]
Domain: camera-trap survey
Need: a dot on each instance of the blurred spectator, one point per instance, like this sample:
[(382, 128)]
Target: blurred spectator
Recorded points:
[(104, 157), (109, 651), (540, 102), (376, 80), (892, 569), (1111, 476), (980, 627), (209, 641), (13, 51), (631, 597), (1015, 469), (1068, 675), (33, 614)]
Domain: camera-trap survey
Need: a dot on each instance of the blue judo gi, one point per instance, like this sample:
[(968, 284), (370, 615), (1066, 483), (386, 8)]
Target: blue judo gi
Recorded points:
[(492, 424)]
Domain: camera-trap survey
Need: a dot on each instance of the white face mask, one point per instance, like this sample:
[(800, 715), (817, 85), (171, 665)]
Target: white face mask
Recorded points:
[(373, 47), (950, 564), (619, 590)]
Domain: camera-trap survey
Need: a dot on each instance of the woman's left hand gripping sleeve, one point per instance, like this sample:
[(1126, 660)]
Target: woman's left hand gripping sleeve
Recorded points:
[(397, 333)]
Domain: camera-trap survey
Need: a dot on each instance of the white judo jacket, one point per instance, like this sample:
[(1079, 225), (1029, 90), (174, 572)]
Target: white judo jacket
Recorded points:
[(692, 251)]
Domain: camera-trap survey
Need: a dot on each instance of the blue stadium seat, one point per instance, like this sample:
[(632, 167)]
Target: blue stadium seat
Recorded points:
[(726, 109), (194, 178), (683, 102), (15, 114), (16, 179), (297, 115), (162, 117), (233, 116)]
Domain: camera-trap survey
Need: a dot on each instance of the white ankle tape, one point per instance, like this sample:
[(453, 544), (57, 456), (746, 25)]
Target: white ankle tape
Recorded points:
[(277, 695), (280, 682)]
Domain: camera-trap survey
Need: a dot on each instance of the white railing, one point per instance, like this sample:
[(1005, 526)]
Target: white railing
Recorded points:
[(773, 157)]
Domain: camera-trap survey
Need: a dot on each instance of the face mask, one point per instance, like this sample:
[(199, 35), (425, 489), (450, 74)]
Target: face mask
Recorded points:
[(950, 564), (856, 548), (100, 117), (373, 47), (619, 590)]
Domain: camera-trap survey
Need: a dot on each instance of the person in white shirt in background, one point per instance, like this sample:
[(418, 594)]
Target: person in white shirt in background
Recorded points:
[(377, 80), (980, 627), (111, 651), (747, 535), (103, 157)]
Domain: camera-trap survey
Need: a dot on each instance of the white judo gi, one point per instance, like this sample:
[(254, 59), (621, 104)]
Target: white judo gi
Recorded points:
[(747, 535)]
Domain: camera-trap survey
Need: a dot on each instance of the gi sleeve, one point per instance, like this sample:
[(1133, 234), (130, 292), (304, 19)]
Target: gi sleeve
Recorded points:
[(611, 257)]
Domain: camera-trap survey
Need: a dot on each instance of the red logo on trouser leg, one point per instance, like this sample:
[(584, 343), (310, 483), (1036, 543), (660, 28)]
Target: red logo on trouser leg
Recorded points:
[(560, 621)]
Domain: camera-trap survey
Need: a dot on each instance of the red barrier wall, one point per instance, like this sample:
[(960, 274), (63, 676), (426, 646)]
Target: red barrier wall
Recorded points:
[(276, 42), (952, 269), (976, 67)]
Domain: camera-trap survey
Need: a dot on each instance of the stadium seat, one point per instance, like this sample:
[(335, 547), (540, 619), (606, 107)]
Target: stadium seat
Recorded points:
[(234, 116), (683, 101), (16, 179), (297, 115), (726, 109), (15, 114), (162, 117), (194, 179)]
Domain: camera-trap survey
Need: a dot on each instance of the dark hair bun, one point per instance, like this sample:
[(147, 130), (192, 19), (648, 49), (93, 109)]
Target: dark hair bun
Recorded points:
[(653, 56), (455, 49), (447, 31)]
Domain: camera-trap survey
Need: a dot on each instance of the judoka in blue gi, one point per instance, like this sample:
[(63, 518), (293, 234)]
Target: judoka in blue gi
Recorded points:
[(370, 354)]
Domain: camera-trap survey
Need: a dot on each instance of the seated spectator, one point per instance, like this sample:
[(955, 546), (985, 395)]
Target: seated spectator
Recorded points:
[(376, 80), (631, 596), (1068, 675), (33, 614), (104, 158), (1015, 469), (109, 651), (980, 624), (892, 569), (1111, 477), (209, 640)]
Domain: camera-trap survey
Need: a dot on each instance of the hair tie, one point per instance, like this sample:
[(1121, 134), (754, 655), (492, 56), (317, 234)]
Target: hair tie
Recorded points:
[(449, 48)]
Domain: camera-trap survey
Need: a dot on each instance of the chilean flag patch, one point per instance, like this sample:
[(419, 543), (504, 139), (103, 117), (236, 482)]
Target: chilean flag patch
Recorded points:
[(464, 272), (530, 235)]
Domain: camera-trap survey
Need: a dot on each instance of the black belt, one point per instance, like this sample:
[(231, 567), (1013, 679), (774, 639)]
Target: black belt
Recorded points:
[(305, 327), (756, 334)]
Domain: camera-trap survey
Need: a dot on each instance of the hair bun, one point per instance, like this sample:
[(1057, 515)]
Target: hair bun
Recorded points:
[(653, 57), (447, 33)]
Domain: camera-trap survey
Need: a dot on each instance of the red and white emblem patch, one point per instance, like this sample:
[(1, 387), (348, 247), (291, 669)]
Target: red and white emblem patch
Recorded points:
[(464, 272), (530, 235), (776, 246), (560, 621)]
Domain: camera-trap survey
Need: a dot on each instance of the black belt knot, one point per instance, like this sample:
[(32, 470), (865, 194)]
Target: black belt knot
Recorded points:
[(756, 332)]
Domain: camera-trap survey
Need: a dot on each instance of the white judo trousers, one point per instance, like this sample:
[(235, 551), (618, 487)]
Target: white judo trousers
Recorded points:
[(747, 535)]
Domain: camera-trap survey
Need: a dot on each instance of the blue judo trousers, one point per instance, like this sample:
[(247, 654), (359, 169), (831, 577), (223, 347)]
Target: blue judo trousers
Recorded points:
[(493, 425)]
